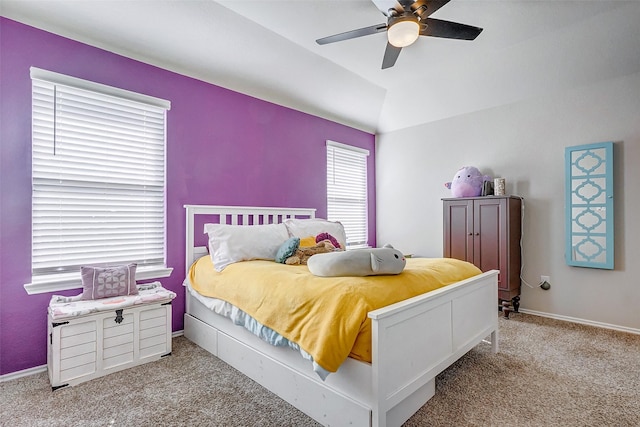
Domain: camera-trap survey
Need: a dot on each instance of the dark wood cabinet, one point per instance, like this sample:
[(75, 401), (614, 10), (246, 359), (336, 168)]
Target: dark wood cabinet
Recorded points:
[(486, 232)]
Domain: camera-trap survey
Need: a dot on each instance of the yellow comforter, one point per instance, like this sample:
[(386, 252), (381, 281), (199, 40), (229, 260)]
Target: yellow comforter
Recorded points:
[(326, 316)]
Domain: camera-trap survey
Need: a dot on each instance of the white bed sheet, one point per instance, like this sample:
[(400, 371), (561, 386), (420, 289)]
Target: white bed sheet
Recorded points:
[(240, 318)]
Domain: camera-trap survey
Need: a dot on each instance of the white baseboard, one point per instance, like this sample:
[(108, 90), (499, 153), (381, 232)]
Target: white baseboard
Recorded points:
[(23, 373), (43, 368), (581, 321)]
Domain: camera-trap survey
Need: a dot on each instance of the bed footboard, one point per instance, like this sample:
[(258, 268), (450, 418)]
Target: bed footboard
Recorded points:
[(416, 339)]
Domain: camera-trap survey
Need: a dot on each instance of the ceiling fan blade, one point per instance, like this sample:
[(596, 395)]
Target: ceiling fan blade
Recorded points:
[(449, 30), (366, 31), (390, 56)]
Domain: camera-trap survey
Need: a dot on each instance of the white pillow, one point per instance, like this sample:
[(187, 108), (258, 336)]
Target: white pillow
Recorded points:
[(233, 243), (312, 227)]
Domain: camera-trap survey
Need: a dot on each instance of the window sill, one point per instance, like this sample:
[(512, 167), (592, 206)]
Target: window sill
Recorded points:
[(63, 282)]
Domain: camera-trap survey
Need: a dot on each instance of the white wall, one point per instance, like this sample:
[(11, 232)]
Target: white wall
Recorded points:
[(524, 143)]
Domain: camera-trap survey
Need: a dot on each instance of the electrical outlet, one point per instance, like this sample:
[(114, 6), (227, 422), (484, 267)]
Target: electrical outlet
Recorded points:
[(545, 283)]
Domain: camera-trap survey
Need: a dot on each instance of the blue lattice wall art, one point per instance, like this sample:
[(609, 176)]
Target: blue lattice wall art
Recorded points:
[(589, 205)]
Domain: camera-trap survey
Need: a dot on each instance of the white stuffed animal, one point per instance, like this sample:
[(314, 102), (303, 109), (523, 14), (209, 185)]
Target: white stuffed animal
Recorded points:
[(358, 262)]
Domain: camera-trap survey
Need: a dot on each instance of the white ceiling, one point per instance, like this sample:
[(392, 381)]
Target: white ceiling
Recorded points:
[(267, 49)]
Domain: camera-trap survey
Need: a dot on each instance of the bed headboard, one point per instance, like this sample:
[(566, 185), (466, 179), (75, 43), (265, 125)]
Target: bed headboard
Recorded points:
[(235, 215)]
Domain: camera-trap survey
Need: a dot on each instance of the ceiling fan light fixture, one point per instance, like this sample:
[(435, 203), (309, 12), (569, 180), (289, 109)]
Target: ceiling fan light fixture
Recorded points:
[(403, 31)]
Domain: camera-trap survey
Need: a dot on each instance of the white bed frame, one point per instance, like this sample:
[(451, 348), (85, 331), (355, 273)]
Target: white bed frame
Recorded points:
[(413, 341)]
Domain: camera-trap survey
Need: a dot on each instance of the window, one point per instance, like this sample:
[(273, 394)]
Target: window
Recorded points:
[(98, 180), (347, 190)]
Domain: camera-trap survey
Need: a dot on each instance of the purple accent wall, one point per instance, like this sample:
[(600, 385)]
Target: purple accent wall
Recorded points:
[(222, 148)]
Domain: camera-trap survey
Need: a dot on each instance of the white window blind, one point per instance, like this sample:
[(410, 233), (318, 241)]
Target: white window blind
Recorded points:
[(98, 174), (347, 190)]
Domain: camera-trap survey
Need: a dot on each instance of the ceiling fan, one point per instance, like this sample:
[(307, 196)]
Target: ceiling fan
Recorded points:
[(406, 21)]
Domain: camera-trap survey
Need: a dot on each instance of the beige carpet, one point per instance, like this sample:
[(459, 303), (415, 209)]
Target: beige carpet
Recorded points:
[(548, 373)]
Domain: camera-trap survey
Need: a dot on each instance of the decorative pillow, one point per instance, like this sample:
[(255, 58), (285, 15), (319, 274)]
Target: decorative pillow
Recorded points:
[(105, 282), (314, 226), (287, 249), (307, 242), (234, 243), (326, 236)]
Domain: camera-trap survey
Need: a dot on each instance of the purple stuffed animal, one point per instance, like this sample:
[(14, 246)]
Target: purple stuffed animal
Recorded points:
[(467, 182)]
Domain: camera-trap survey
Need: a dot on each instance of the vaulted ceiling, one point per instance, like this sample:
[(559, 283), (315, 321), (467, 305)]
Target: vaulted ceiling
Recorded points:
[(267, 49)]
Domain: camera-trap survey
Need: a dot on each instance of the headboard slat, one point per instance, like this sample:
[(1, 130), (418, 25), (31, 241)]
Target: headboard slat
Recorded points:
[(235, 215)]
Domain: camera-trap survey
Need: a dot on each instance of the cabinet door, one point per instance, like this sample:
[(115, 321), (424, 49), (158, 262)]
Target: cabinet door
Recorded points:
[(490, 228), (458, 229), (486, 232)]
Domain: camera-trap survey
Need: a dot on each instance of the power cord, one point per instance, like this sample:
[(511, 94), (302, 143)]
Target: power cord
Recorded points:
[(521, 244)]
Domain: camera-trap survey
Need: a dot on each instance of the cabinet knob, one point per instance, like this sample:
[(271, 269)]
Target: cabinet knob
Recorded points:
[(470, 234), (477, 234)]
